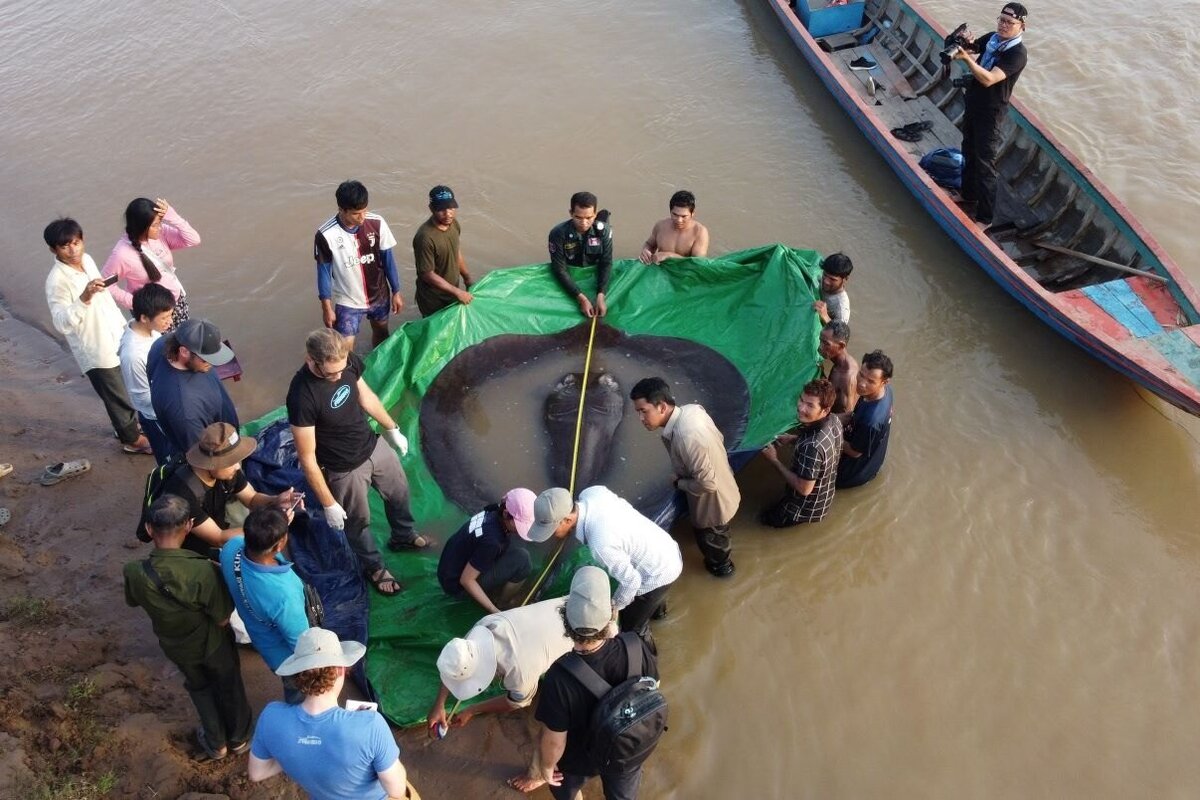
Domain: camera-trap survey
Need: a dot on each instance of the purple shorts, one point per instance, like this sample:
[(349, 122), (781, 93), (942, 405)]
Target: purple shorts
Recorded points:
[(346, 320)]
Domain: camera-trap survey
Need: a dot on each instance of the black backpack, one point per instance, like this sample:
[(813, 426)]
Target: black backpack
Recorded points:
[(629, 719), (154, 483)]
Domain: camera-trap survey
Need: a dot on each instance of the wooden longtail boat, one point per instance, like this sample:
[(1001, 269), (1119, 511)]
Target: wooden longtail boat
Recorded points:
[(1061, 244)]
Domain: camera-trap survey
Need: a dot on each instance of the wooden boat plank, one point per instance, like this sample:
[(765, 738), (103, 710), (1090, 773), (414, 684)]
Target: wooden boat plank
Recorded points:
[(1180, 351), (894, 110), (837, 41), (1158, 299), (1121, 303), (1091, 316), (886, 74)]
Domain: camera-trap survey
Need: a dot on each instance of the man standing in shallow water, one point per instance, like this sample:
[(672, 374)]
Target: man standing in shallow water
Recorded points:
[(439, 259), (835, 337), (356, 270), (809, 483), (677, 236), (701, 468), (870, 425), (585, 240)]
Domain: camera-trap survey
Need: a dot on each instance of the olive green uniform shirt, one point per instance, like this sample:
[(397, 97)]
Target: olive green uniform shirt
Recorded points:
[(191, 629), (569, 248), (436, 251)]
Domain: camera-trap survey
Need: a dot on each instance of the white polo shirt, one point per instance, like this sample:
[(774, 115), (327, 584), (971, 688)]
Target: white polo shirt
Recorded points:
[(639, 555)]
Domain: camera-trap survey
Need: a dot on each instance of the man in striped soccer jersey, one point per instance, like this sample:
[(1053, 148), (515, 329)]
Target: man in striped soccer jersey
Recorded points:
[(356, 271), (810, 479)]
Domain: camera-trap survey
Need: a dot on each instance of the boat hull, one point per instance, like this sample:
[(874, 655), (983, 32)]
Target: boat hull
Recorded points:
[(1072, 317)]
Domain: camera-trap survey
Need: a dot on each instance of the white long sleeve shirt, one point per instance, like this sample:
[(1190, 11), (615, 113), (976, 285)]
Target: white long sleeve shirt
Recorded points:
[(93, 330), (639, 555)]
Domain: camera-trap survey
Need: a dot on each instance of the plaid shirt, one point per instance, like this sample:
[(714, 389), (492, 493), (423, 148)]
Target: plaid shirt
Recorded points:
[(815, 459)]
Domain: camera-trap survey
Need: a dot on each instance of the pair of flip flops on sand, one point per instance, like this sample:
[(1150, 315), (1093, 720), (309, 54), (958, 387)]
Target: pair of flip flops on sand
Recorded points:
[(55, 473)]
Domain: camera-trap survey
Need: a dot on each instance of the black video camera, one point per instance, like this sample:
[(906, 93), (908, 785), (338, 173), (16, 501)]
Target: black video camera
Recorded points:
[(960, 37)]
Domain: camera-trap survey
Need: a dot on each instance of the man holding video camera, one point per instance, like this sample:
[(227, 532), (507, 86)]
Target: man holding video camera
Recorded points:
[(1001, 58)]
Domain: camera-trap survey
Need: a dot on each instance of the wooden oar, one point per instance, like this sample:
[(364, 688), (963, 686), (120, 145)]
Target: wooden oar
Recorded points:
[(1103, 262)]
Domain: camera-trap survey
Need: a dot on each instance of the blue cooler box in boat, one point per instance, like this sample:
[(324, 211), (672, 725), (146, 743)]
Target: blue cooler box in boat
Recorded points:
[(825, 20)]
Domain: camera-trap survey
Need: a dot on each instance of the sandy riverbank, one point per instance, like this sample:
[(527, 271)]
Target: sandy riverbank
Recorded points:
[(90, 706)]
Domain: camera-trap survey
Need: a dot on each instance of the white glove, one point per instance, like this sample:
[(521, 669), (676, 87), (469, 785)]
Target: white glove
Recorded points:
[(397, 440), (335, 517)]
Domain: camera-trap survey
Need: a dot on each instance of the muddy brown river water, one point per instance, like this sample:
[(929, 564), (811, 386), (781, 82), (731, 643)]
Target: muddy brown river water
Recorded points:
[(1009, 610)]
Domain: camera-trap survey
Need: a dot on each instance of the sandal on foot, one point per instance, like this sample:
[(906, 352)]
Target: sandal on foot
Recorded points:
[(134, 450), (207, 752), (381, 578), (57, 473), (418, 541), (5, 516), (239, 748), (5, 469)]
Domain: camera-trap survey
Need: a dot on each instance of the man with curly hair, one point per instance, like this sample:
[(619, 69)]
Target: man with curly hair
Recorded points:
[(329, 751)]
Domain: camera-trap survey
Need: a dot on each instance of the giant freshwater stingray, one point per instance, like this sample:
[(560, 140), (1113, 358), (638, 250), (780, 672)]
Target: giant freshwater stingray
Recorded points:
[(698, 374)]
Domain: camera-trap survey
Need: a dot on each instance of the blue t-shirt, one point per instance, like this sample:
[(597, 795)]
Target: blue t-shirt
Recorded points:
[(276, 616), (479, 542), (185, 402), (868, 432), (334, 755)]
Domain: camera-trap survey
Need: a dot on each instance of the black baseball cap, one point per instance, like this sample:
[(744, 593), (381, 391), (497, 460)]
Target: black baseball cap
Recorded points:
[(441, 198), (204, 339), (1014, 10)]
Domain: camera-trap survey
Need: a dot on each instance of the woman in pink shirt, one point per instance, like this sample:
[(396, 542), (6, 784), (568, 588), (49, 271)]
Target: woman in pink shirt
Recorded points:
[(143, 255)]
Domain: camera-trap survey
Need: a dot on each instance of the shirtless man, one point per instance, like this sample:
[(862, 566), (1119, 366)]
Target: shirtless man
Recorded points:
[(678, 236), (844, 374)]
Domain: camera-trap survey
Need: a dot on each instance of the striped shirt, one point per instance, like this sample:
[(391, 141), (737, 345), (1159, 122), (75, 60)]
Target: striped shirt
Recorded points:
[(639, 555)]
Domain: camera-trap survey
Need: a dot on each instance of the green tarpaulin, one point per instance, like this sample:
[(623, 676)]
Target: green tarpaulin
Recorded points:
[(753, 307)]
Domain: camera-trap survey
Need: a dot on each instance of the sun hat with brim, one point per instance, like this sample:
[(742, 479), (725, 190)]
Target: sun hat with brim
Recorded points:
[(519, 504), (468, 666), (220, 446), (549, 510), (318, 648)]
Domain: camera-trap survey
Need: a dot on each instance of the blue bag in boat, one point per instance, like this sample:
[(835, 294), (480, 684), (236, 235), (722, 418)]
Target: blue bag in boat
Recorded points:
[(945, 166)]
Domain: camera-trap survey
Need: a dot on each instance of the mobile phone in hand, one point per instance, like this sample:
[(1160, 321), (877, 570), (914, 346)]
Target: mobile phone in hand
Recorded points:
[(111, 279)]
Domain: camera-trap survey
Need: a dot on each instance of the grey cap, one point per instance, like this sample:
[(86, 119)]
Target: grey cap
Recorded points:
[(204, 339), (589, 605), (550, 508)]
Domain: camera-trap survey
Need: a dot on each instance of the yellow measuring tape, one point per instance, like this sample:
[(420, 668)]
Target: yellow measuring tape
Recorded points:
[(587, 368)]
